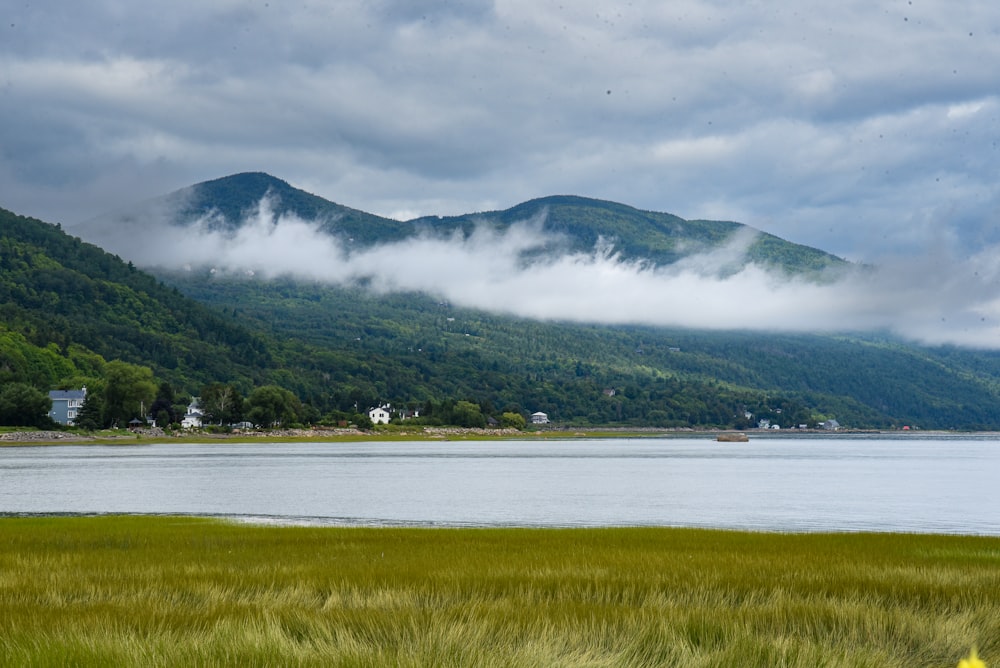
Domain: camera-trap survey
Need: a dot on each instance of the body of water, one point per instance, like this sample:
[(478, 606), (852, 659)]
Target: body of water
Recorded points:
[(910, 484)]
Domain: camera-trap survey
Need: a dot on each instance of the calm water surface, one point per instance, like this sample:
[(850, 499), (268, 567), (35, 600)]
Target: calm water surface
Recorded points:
[(787, 484)]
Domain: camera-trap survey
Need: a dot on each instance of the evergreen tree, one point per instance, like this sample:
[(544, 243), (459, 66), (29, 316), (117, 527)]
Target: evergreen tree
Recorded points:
[(90, 415), (164, 409)]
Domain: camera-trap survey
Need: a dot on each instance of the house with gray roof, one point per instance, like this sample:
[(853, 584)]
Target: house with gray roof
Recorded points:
[(66, 405)]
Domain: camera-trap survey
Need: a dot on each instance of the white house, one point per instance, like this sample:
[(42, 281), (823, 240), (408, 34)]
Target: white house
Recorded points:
[(539, 418), (193, 418), (379, 415)]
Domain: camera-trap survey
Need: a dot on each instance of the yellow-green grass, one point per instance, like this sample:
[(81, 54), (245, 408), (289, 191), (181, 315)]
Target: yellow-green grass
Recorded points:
[(160, 591)]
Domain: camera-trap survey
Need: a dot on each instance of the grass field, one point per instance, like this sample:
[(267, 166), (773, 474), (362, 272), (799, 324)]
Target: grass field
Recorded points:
[(160, 591)]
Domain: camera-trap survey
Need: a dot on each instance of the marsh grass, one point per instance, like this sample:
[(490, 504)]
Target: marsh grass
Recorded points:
[(186, 591)]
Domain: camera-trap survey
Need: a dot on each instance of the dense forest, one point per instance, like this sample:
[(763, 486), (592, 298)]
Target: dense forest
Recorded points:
[(71, 298), (72, 314), (406, 346)]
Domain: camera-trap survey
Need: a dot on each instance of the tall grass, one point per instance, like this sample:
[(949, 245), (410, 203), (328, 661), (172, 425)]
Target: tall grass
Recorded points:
[(186, 591)]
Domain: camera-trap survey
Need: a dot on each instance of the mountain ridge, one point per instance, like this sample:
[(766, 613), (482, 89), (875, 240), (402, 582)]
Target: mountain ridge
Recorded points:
[(576, 223), (341, 348)]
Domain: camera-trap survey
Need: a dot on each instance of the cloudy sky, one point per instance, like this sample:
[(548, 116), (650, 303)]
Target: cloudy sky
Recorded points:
[(866, 129)]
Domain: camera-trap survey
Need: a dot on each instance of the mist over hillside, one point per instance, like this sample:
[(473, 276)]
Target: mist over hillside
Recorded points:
[(338, 346), (563, 259)]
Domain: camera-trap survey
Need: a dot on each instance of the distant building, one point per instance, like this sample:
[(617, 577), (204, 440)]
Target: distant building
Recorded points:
[(379, 415), (194, 416), (66, 405), (539, 418), (831, 425)]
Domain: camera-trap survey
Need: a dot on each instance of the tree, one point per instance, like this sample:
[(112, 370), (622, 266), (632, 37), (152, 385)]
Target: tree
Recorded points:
[(221, 404), (129, 392), (363, 422), (163, 407), (22, 405), (272, 406), (511, 420), (90, 415), (467, 414)]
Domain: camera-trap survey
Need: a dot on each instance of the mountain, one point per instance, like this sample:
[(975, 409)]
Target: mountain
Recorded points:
[(65, 303), (570, 224), (344, 347), (225, 204), (660, 238)]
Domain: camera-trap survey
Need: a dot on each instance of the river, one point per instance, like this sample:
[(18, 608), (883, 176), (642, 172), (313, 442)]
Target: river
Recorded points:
[(907, 484)]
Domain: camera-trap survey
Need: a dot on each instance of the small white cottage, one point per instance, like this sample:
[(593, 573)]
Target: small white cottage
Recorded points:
[(379, 415)]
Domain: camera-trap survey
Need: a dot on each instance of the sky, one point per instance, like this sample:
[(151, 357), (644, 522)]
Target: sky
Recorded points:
[(865, 129), (869, 130)]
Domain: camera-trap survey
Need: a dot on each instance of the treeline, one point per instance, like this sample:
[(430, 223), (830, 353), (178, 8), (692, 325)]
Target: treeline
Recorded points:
[(124, 394)]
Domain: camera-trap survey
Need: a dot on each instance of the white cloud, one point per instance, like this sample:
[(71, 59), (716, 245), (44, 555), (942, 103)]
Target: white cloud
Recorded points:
[(932, 299), (966, 109)]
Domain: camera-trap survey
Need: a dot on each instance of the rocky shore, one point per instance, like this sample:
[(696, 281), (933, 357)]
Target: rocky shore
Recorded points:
[(155, 433), (42, 436)]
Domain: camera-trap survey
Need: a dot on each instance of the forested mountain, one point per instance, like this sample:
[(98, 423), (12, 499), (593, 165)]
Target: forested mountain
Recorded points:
[(408, 347), (661, 238), (65, 303), (225, 204), (574, 224), (67, 307)]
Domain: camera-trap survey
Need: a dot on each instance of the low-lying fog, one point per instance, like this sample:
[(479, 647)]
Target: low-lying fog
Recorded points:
[(936, 298)]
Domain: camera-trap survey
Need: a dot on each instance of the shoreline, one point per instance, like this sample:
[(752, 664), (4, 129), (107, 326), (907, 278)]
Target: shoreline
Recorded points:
[(151, 436)]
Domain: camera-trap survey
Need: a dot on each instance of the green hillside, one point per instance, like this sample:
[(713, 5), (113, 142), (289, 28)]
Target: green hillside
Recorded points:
[(661, 238), (78, 303), (68, 308), (230, 199), (407, 348)]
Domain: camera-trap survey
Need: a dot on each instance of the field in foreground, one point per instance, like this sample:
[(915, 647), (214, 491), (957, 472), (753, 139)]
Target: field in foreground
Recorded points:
[(186, 591)]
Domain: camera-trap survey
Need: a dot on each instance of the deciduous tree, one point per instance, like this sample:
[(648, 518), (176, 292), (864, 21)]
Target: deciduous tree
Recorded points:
[(272, 406), (221, 403), (22, 405), (129, 392)]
